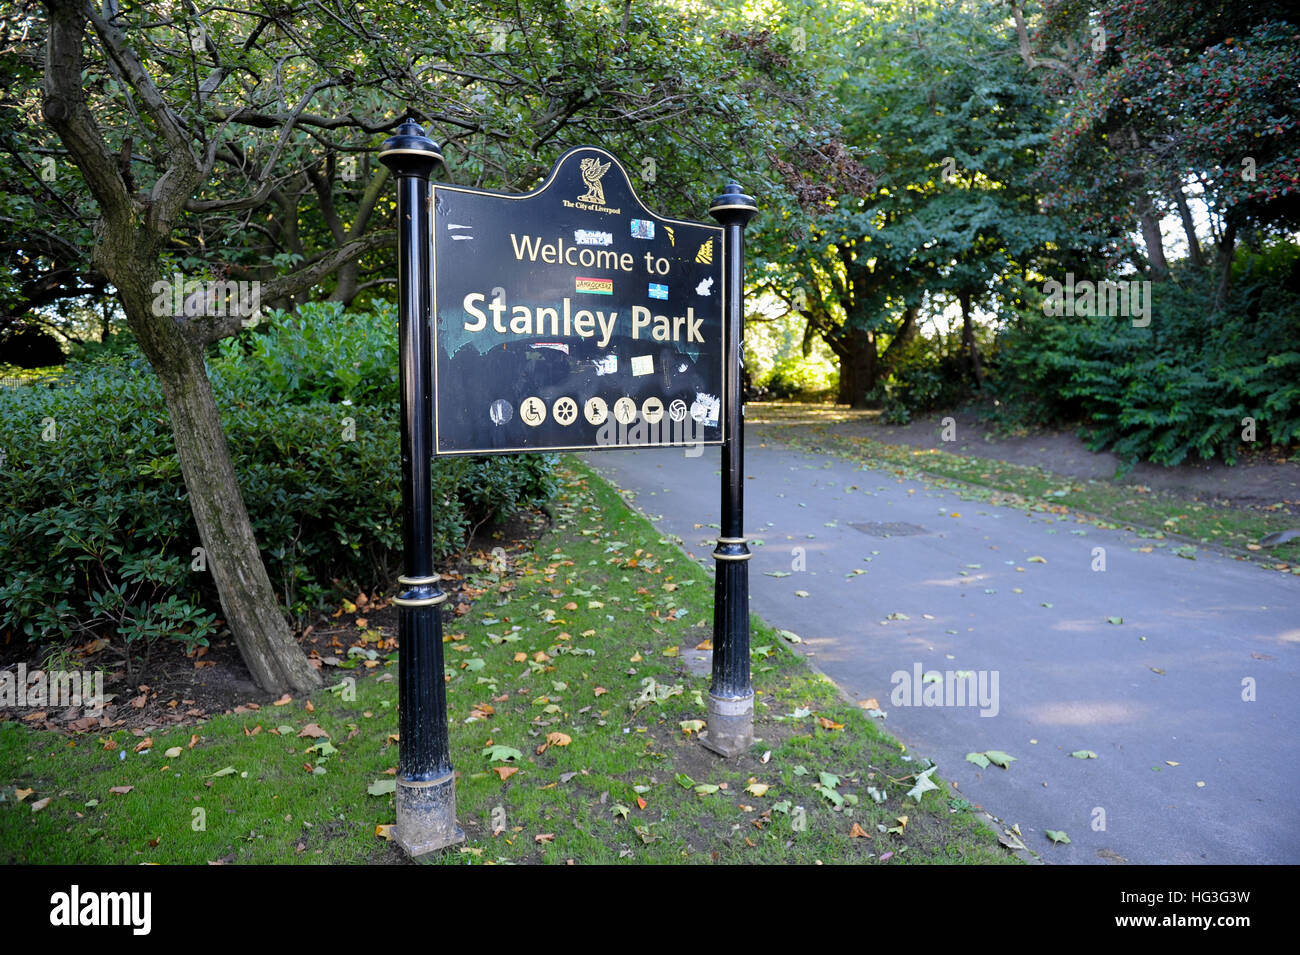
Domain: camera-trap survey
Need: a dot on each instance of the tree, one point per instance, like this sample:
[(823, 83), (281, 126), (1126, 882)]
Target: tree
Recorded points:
[(1162, 94), (948, 127), (206, 138)]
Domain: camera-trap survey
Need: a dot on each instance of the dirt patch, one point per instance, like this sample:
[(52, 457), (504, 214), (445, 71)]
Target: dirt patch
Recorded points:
[(174, 689), (1259, 478)]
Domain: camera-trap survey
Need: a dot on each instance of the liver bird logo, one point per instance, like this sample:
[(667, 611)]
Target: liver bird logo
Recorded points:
[(592, 172)]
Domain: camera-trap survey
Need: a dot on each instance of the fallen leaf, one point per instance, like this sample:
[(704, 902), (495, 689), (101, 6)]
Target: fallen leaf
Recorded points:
[(1011, 841), (146, 743), (384, 831), (1037, 560), (599, 691), (757, 789), (193, 740), (283, 700), (505, 772), (857, 832), (704, 645), (173, 752), (869, 704), (979, 759), (544, 837), (1084, 754), (829, 724), (381, 787), (558, 739), (40, 804), (1056, 835), (225, 771), (924, 784), (121, 790), (23, 793), (999, 758), (313, 731), (498, 753)]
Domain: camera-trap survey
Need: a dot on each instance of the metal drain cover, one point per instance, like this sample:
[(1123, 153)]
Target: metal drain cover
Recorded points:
[(889, 528)]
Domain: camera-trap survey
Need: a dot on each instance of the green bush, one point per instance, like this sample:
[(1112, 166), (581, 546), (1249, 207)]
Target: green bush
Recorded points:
[(96, 532), (924, 378), (1177, 388)]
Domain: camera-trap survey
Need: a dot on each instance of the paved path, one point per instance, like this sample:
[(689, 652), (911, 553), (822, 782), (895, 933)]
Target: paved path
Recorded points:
[(1164, 686)]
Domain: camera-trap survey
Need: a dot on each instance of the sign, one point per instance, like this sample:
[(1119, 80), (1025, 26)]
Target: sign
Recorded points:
[(572, 317)]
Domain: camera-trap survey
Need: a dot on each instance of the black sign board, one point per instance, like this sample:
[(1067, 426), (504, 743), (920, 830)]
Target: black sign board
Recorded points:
[(573, 317)]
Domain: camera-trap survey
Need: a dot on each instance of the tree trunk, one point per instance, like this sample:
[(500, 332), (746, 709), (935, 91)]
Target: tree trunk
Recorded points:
[(1189, 227), (858, 368), (346, 288), (1151, 237), (226, 532), (1227, 249), (971, 349), (248, 601)]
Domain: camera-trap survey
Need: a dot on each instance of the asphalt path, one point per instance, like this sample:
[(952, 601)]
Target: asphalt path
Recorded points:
[(1189, 702)]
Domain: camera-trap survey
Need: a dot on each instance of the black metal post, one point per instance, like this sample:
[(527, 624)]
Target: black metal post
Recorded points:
[(426, 784), (731, 698)]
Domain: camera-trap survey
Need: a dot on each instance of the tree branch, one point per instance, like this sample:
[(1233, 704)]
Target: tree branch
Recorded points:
[(203, 330)]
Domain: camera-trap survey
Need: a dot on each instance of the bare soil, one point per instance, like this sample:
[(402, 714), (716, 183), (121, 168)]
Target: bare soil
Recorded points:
[(1258, 478), (177, 690)]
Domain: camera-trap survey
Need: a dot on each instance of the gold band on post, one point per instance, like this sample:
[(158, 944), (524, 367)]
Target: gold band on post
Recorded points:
[(419, 601)]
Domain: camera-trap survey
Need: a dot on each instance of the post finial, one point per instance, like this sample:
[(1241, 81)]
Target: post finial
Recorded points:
[(410, 152), (733, 205)]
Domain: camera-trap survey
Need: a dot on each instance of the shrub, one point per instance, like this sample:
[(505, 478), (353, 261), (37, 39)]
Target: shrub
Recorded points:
[(1179, 387), (96, 532), (924, 378)]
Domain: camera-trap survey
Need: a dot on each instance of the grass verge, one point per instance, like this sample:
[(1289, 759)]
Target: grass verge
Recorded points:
[(573, 730), (1168, 520)]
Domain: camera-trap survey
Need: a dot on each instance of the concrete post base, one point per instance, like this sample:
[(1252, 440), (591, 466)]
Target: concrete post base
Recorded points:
[(731, 724), (426, 816)]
